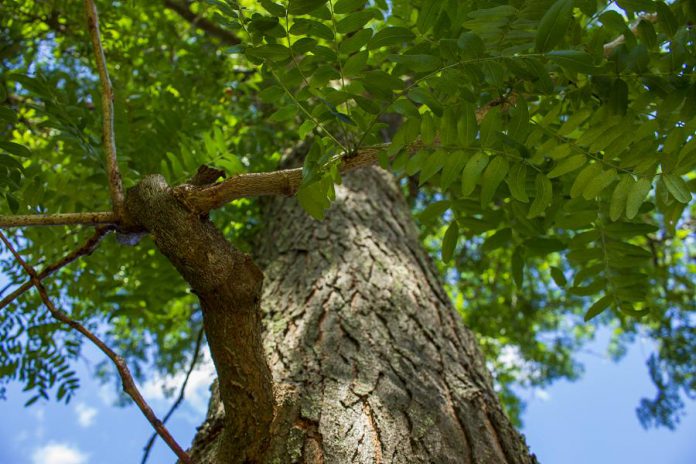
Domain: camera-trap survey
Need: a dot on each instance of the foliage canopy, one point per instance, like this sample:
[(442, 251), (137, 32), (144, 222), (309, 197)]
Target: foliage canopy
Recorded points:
[(546, 147)]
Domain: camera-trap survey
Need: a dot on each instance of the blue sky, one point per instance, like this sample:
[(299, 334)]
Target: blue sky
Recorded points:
[(592, 420)]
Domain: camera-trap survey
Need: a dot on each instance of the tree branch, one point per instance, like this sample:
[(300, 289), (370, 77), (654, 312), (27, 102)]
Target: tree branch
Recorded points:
[(203, 199), (127, 381), (86, 249), (180, 398), (59, 219), (113, 173), (208, 26), (284, 182)]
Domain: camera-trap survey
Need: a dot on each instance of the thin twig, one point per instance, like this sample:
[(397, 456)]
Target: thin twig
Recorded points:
[(179, 399), (115, 184), (127, 381), (59, 219), (85, 249)]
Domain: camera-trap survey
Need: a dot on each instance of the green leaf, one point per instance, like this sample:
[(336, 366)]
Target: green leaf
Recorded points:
[(554, 25), (393, 35), (356, 41), (273, 8), (433, 211), (10, 162), (490, 127), (633, 6), (567, 165), (449, 242), (587, 174), (428, 14), (573, 60), (517, 182), (597, 308), (544, 195), (347, 6), (518, 127), (355, 63), (273, 52), (432, 165), (472, 172), (617, 205), (355, 21), (666, 18), (471, 44), (452, 169), (6, 114), (558, 277), (466, 125), (448, 128), (636, 195), (297, 7), (677, 187), (12, 203), (306, 127), (598, 183), (428, 130), (618, 98), (492, 177), (313, 198), (424, 96), (497, 240), (16, 149), (417, 63)]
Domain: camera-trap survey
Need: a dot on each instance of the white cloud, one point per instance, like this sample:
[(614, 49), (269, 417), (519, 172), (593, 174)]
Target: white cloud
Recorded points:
[(58, 453), (85, 414), (543, 395), (197, 390)]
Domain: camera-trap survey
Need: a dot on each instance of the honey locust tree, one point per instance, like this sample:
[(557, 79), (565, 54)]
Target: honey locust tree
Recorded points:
[(253, 170)]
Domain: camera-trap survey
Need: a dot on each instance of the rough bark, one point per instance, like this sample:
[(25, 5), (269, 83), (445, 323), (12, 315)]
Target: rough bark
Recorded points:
[(228, 285), (370, 362)]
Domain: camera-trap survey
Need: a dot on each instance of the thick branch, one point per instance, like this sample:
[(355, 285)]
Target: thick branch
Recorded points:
[(126, 378), (85, 249), (208, 26), (284, 182), (113, 173), (228, 285), (59, 219)]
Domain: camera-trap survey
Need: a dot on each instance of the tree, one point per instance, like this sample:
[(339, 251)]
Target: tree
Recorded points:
[(527, 135)]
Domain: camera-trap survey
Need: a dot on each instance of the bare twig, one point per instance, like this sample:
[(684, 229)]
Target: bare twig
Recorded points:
[(127, 381), (115, 184), (59, 219), (208, 26), (180, 398), (85, 249)]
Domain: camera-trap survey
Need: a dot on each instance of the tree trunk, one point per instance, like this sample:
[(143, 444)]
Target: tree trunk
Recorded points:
[(370, 362)]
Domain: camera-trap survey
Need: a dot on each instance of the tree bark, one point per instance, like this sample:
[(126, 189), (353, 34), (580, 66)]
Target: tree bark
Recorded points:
[(228, 285), (370, 362)]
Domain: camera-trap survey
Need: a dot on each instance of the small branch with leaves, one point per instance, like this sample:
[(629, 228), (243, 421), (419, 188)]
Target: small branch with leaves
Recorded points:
[(129, 386)]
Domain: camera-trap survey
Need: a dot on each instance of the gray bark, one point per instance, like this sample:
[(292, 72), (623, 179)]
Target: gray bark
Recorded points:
[(370, 362)]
